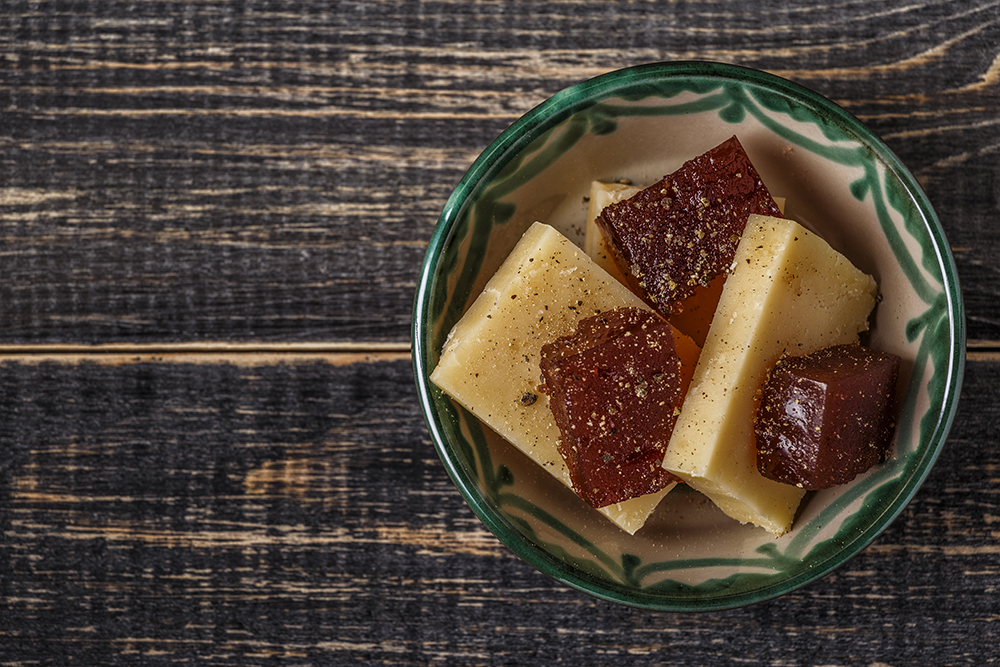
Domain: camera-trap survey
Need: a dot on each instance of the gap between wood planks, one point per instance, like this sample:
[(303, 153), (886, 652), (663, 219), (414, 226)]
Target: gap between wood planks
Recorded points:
[(337, 353), (982, 350), (270, 354)]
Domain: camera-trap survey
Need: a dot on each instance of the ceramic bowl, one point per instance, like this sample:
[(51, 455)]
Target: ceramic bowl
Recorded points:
[(839, 180)]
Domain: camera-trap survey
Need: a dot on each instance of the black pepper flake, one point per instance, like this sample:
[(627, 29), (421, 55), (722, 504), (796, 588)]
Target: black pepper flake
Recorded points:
[(527, 398)]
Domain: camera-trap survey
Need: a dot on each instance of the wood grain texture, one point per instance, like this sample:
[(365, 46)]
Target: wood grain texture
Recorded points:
[(296, 514), (273, 170), (212, 219)]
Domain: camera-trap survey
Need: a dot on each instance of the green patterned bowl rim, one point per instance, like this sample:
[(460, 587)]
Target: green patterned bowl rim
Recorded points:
[(550, 114)]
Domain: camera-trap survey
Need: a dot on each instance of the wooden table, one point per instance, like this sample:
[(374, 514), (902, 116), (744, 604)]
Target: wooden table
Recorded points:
[(212, 217)]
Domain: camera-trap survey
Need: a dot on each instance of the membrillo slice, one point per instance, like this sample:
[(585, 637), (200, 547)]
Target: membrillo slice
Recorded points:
[(681, 232), (490, 361), (614, 388), (826, 417), (789, 292)]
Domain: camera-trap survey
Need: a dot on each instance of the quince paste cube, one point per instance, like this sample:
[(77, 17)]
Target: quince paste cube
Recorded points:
[(614, 387), (682, 232), (826, 417), (691, 316)]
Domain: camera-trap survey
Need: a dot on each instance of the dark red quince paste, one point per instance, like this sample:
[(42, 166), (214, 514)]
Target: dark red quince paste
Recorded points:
[(614, 389), (681, 232), (826, 417)]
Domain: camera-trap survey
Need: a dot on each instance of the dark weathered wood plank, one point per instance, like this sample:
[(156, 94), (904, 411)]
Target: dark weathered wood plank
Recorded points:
[(254, 512), (232, 199), (272, 170)]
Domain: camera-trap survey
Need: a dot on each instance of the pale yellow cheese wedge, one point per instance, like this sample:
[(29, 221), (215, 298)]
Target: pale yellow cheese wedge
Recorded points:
[(789, 291), (491, 357), (603, 195)]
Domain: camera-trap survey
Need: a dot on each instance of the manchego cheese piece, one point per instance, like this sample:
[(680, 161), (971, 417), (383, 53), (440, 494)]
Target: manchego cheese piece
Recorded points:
[(595, 244), (490, 361), (788, 292)]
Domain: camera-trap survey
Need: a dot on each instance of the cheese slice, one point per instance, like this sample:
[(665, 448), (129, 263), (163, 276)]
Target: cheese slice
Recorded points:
[(788, 291), (490, 361), (603, 195)]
